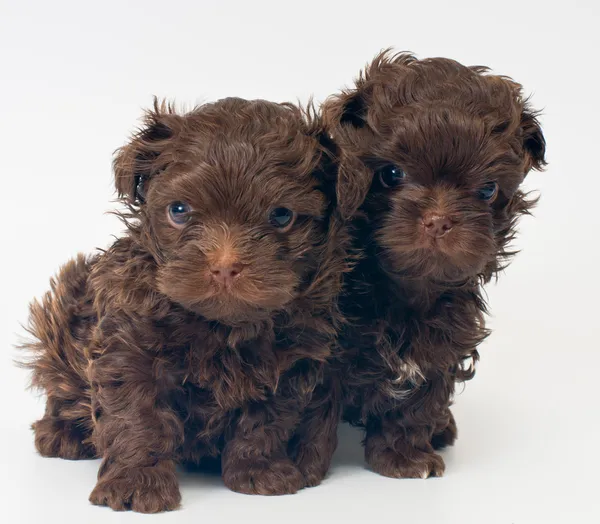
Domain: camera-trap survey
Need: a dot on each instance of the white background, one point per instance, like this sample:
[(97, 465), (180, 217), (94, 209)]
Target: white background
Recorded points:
[(73, 79)]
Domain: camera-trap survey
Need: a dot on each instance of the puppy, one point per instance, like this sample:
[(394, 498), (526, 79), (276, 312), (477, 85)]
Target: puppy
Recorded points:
[(203, 333), (442, 150)]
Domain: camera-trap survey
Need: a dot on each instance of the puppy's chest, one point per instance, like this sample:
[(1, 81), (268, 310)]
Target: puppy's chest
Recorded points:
[(401, 352), (231, 375), (229, 372)]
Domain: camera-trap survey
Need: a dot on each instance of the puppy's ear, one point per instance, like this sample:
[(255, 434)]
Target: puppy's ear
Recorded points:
[(352, 109), (353, 183), (138, 161), (348, 117), (534, 143), (345, 118)]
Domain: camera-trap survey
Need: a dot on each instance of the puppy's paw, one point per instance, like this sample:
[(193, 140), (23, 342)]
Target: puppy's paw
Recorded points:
[(312, 465), (144, 490), (414, 464), (264, 477), (55, 437), (446, 437)]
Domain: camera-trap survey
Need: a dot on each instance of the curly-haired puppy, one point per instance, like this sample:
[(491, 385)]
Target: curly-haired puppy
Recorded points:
[(442, 150), (203, 333)]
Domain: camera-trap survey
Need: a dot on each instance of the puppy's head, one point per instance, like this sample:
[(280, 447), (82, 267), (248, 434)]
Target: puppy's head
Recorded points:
[(441, 150), (231, 201)]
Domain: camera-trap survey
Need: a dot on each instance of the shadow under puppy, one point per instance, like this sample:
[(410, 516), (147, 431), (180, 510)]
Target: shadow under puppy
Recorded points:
[(441, 150), (204, 332)]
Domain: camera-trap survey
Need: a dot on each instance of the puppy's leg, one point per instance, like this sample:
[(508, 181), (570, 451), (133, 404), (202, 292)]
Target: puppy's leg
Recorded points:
[(315, 440), (61, 325), (400, 452), (255, 459), (446, 434), (398, 442), (137, 431), (65, 430)]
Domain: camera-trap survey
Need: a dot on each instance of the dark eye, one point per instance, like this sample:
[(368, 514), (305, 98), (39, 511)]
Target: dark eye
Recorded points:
[(282, 217), (178, 213), (489, 192), (390, 176)]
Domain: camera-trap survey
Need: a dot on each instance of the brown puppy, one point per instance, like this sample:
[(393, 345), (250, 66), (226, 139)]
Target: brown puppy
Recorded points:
[(442, 150), (202, 333)]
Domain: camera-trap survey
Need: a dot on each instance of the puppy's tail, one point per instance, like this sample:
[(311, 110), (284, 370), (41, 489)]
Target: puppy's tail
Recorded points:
[(60, 325)]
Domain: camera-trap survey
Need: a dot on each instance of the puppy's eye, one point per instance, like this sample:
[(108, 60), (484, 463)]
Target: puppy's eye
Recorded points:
[(391, 176), (282, 218), (178, 213), (488, 192)]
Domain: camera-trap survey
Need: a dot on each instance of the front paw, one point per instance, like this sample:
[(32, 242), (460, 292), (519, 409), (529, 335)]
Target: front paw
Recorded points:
[(264, 476), (313, 463), (446, 437), (144, 490), (410, 463)]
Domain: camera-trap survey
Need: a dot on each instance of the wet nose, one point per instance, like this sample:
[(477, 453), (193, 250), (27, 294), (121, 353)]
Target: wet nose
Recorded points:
[(437, 226), (226, 274)]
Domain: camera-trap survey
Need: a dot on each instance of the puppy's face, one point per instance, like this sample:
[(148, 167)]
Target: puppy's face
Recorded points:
[(442, 150), (234, 207)]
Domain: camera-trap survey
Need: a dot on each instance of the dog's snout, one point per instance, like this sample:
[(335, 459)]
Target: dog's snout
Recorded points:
[(437, 226), (226, 274)]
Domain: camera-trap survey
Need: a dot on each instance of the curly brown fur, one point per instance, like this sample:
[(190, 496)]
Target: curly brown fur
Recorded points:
[(154, 353), (62, 324), (431, 140)]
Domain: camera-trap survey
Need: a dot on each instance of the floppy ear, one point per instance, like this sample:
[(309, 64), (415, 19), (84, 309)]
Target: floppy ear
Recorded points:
[(352, 110), (352, 186), (137, 162), (534, 143), (345, 118), (352, 106)]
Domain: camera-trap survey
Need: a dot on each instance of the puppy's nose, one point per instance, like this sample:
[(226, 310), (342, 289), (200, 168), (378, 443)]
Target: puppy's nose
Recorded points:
[(437, 226), (226, 274)]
